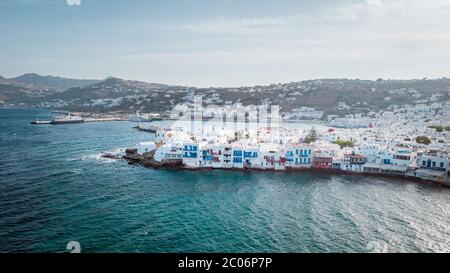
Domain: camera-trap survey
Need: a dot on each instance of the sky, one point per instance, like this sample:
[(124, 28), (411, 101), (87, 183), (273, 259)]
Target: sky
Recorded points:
[(226, 42)]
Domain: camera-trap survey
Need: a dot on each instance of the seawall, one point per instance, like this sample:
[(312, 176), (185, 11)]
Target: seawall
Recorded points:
[(149, 162)]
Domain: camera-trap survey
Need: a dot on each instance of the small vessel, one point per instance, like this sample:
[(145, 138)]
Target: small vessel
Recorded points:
[(40, 122), (150, 129), (69, 119), (139, 118)]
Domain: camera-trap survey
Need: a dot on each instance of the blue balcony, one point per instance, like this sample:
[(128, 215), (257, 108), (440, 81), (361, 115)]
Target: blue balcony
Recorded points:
[(250, 154), (305, 153), (190, 148), (190, 155), (237, 153)]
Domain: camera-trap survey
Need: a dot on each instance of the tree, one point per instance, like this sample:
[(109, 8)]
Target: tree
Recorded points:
[(344, 143), (312, 136), (438, 129), (423, 140)]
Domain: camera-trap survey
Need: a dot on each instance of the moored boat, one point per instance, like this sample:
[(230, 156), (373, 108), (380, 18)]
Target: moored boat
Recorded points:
[(69, 119), (40, 122), (150, 129)]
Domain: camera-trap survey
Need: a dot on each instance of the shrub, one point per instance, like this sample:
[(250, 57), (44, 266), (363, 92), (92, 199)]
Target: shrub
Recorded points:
[(423, 140), (344, 143), (438, 129)]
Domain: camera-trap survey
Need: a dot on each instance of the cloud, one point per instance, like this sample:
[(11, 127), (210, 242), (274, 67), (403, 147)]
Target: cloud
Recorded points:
[(238, 25), (366, 39), (410, 15), (373, 2), (73, 2)]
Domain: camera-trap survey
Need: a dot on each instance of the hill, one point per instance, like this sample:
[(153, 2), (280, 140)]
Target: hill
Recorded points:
[(50, 82), (332, 96)]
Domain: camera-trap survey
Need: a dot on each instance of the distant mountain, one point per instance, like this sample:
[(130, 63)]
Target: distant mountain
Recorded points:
[(332, 96), (50, 82), (14, 94), (4, 81), (114, 94), (30, 88), (107, 89)]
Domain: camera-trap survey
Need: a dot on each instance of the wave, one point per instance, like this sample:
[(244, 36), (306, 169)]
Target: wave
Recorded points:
[(98, 156)]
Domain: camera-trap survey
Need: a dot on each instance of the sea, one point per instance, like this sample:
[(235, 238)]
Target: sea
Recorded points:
[(55, 188)]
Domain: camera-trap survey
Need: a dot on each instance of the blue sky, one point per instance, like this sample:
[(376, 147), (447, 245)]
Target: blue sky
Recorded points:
[(228, 42)]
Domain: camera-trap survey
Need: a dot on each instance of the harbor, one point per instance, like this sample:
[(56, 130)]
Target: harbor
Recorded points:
[(415, 150), (65, 117), (66, 175)]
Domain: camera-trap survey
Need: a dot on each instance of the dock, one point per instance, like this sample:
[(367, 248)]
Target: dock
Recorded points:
[(103, 119)]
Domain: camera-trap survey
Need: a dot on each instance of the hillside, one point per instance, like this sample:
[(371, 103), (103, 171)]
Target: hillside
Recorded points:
[(50, 82), (333, 96)]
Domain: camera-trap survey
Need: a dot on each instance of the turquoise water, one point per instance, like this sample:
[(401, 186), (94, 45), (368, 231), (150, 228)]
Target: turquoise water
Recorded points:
[(55, 189)]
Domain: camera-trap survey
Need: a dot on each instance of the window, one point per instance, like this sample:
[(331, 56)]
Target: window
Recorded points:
[(442, 165)]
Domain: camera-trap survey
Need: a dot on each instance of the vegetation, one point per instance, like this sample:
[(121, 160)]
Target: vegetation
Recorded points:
[(423, 140), (438, 129), (312, 136), (344, 143), (126, 96)]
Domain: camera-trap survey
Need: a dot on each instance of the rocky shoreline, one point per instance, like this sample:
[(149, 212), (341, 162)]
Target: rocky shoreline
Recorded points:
[(147, 160)]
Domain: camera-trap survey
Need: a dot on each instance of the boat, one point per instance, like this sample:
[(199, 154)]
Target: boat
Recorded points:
[(138, 118), (69, 119), (40, 122), (150, 129)]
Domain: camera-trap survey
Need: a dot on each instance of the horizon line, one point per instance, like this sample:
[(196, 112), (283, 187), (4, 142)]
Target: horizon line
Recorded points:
[(229, 87)]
